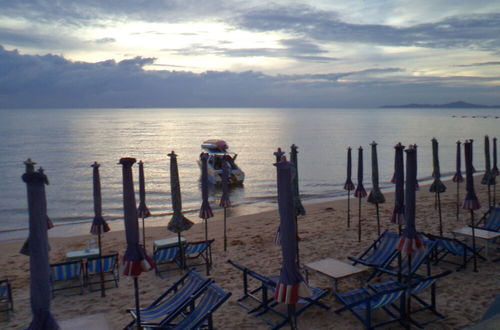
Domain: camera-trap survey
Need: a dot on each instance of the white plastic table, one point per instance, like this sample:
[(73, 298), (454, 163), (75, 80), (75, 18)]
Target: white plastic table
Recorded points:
[(166, 242), (485, 235), (334, 269), (82, 254)]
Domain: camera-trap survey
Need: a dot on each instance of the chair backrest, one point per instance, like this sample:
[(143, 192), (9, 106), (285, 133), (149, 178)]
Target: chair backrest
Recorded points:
[(382, 249), (4, 289), (451, 245), (213, 297), (493, 220), (418, 257), (194, 248), (65, 270), (165, 254), (109, 263), (422, 284)]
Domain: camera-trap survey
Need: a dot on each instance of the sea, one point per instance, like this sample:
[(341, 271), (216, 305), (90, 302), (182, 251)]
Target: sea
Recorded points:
[(65, 142)]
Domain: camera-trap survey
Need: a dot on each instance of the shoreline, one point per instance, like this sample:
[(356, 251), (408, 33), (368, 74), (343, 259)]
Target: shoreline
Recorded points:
[(323, 233)]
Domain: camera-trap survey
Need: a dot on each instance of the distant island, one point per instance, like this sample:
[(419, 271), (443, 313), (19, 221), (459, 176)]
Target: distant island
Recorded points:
[(453, 105)]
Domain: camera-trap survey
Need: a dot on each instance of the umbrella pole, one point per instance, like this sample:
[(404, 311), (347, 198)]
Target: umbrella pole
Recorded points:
[(225, 236), (440, 216), (458, 201), (143, 233), (359, 221), (291, 316), (378, 219), (181, 251), (408, 298), (473, 240), (103, 292), (137, 309), (348, 209), (495, 194), (206, 251), (297, 236)]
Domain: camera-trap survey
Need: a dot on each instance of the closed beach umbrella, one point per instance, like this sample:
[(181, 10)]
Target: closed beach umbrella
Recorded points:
[(297, 204), (142, 209), (179, 222), (349, 185), (290, 283), (494, 170), (458, 177), (224, 200), (135, 260), (410, 242), (437, 186), (99, 225), (417, 187), (360, 191), (471, 202), (375, 197), (205, 210), (399, 180), (488, 178), (40, 292)]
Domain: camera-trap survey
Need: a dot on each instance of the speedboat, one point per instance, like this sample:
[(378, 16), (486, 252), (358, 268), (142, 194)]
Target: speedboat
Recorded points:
[(218, 151)]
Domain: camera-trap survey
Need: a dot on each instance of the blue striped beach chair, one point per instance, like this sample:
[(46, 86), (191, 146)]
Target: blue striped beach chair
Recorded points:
[(197, 250), (197, 311), (109, 268), (491, 220), (173, 298), (165, 256), (380, 252), (413, 292), (361, 302), (67, 275), (6, 301), (451, 246), (257, 299)]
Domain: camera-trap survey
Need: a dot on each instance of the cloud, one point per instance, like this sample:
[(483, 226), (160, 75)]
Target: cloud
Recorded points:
[(104, 40), (480, 31), (477, 64), (49, 81)]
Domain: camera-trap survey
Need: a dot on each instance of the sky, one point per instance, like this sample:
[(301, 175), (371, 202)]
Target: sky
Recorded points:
[(252, 53)]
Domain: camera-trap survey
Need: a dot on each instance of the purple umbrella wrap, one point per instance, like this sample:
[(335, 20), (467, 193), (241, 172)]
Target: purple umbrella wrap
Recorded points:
[(179, 222), (40, 292), (471, 202), (297, 204), (360, 191), (205, 210), (375, 197), (437, 186), (142, 209), (99, 225), (290, 284), (135, 259), (410, 241), (349, 185), (417, 187), (224, 200), (399, 198)]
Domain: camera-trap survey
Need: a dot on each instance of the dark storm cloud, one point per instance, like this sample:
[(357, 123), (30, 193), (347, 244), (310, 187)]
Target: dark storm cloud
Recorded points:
[(28, 81), (480, 31)]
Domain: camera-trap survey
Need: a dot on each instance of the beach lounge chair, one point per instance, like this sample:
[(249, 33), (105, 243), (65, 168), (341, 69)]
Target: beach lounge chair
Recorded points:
[(451, 246), (6, 301), (165, 256), (414, 291), (418, 258), (173, 298), (66, 275), (197, 250), (380, 252), (109, 267), (361, 302), (491, 220), (196, 312), (257, 299)]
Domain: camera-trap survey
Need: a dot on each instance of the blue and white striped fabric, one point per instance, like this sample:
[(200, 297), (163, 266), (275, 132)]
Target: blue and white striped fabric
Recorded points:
[(453, 247), (383, 250), (66, 271), (417, 257), (213, 296), (364, 300), (193, 283), (195, 248), (4, 290), (493, 221), (165, 254), (108, 264), (391, 284)]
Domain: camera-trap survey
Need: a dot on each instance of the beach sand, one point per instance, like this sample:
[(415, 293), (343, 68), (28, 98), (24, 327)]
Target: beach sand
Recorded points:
[(462, 296)]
